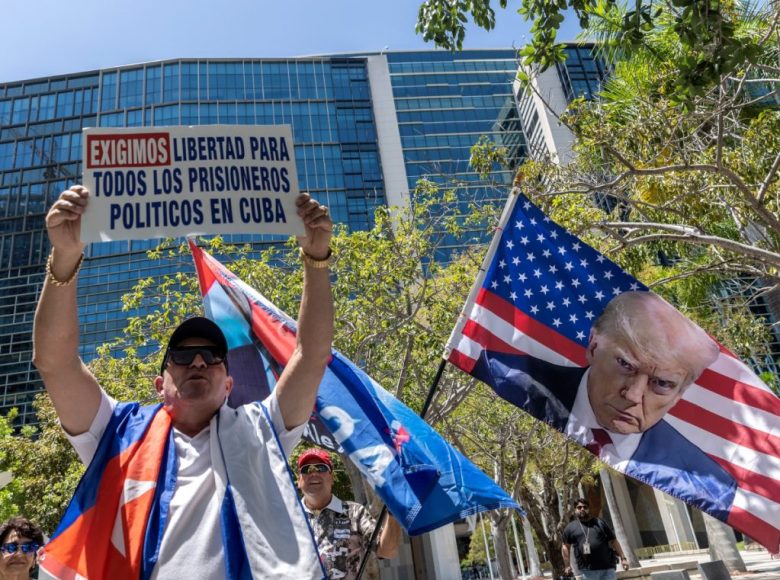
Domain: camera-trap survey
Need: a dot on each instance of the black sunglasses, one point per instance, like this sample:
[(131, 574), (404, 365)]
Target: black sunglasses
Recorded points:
[(13, 547), (314, 468), (184, 355)]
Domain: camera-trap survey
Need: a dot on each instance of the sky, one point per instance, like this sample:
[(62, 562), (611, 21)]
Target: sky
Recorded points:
[(51, 37)]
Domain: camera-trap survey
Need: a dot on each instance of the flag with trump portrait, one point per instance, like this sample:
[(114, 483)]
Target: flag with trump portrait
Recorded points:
[(422, 479), (557, 329)]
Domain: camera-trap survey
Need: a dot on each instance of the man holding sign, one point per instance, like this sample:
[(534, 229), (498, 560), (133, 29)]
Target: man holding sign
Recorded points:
[(190, 487)]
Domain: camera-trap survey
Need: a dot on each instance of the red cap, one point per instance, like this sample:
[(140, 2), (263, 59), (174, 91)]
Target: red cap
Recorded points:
[(314, 455)]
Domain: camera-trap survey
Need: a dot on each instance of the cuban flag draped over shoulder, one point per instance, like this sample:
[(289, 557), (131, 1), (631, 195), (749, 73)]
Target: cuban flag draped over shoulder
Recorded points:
[(525, 331), (111, 526), (423, 480)]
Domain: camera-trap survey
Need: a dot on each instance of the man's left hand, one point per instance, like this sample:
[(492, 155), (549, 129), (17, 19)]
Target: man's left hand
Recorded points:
[(319, 227), (624, 562)]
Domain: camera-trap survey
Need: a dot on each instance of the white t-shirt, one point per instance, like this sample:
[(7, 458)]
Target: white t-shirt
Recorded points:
[(192, 541)]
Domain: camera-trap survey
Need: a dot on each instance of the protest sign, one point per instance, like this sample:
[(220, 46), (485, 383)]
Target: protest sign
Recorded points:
[(177, 181)]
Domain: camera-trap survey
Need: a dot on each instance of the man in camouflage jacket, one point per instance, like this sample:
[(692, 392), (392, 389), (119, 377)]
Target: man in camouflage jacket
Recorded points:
[(342, 528)]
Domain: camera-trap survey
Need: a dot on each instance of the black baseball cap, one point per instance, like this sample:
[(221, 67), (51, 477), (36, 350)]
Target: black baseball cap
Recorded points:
[(198, 327)]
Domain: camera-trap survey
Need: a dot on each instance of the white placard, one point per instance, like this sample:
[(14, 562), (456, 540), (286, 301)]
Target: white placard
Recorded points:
[(178, 181)]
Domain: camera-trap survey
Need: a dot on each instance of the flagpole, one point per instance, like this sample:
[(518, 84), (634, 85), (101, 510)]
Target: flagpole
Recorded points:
[(380, 520), (462, 316)]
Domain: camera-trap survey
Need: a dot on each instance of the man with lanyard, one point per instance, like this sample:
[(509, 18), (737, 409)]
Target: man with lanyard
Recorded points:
[(594, 543), (342, 528), (223, 504)]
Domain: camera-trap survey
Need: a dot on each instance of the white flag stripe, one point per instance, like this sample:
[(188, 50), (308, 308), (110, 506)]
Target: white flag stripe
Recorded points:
[(761, 507), (730, 367), (468, 347), (735, 411), (511, 335), (767, 465)]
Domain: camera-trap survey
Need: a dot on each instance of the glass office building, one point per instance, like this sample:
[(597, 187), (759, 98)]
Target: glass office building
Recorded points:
[(444, 104), (580, 75), (366, 127)]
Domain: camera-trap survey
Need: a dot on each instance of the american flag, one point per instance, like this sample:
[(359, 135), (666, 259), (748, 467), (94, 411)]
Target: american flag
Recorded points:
[(538, 293)]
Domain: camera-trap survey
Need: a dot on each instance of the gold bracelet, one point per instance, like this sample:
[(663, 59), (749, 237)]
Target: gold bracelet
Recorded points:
[(315, 263), (71, 278)]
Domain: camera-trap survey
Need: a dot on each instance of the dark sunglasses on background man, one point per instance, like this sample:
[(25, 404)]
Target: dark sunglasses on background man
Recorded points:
[(184, 355), (13, 547), (314, 468)]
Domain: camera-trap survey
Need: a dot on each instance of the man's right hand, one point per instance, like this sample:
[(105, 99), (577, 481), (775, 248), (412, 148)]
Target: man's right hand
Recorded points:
[(71, 385), (567, 571), (63, 222)]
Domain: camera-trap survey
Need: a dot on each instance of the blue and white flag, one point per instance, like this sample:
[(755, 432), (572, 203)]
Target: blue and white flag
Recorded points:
[(422, 479)]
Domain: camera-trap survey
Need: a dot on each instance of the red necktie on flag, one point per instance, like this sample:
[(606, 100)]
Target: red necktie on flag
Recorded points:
[(600, 439)]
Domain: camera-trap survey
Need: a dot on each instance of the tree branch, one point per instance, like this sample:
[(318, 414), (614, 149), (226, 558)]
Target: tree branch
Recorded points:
[(768, 179), (688, 235)]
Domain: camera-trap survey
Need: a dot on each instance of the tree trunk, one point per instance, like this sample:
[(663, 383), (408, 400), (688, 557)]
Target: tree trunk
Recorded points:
[(498, 531), (723, 544), (553, 547), (617, 519), (534, 567)]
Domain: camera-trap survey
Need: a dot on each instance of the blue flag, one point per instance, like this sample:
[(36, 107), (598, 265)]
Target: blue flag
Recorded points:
[(422, 479)]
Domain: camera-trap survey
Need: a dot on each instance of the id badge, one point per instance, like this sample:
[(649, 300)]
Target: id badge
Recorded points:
[(586, 548)]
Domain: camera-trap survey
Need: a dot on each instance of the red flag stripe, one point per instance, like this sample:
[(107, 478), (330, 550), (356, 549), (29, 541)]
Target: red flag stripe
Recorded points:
[(750, 480), (739, 391), (759, 530), (462, 361), (205, 275), (736, 433), (540, 332), (516, 337), (736, 412), (277, 338), (487, 339)]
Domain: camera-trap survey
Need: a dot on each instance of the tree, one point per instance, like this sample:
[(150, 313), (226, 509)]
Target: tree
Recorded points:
[(534, 462), (684, 194), (707, 33)]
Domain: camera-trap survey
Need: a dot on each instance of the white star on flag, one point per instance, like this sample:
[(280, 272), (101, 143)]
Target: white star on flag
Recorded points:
[(133, 489)]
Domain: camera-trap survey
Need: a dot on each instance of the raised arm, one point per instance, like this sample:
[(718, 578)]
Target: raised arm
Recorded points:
[(72, 387), (297, 387)]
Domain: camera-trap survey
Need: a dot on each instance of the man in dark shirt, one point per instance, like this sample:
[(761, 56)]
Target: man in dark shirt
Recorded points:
[(594, 542)]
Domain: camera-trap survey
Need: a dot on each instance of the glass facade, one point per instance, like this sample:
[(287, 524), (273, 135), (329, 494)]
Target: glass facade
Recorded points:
[(327, 102), (443, 103), (583, 71), (580, 75)]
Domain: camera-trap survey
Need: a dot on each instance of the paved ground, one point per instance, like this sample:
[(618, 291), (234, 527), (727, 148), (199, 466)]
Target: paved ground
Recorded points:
[(760, 566)]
